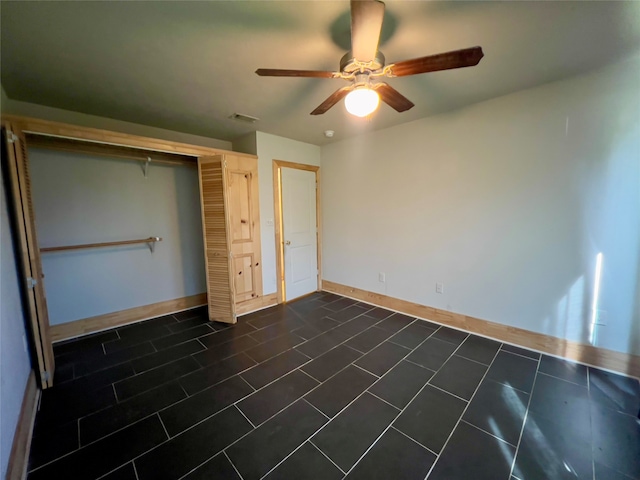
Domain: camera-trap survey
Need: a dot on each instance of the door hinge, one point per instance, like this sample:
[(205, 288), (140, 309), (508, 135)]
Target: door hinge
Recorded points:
[(31, 282), (46, 376), (11, 137)]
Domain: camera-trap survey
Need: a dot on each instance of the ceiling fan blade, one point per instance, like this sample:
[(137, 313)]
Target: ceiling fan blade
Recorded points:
[(393, 98), (366, 23), (275, 72), (334, 98), (467, 57)]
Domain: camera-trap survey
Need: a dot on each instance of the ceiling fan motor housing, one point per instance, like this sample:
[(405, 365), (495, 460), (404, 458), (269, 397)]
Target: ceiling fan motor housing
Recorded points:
[(348, 64)]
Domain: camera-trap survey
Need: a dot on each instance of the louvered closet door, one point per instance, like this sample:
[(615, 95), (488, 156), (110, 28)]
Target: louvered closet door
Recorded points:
[(244, 226), (213, 200), (29, 252)]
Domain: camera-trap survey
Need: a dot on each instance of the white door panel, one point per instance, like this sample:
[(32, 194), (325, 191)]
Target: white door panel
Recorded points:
[(300, 234)]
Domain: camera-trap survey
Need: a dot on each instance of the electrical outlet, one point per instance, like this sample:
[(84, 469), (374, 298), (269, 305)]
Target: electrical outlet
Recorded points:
[(439, 288), (382, 277), (270, 222)]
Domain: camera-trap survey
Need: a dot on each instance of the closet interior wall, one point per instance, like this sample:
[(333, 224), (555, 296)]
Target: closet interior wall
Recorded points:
[(94, 194)]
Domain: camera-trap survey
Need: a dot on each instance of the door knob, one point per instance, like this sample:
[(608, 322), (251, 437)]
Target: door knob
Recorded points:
[(288, 242)]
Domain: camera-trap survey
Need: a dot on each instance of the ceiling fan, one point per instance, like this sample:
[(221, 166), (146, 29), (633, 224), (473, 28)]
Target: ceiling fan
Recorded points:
[(364, 66)]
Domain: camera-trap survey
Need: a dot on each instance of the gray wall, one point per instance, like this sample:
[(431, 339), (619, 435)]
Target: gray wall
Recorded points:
[(14, 359), (85, 199), (507, 203)]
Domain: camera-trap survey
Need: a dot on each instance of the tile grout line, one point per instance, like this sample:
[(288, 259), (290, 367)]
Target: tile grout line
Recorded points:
[(243, 379), (415, 441), (465, 408), (241, 413), (383, 400), (135, 470), (163, 427), (488, 433), (520, 355), (316, 408), (177, 379), (409, 403), (229, 459), (526, 415), (325, 456), (339, 412), (365, 370), (446, 391)]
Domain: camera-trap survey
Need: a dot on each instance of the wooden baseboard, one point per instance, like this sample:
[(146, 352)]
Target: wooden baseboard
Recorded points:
[(19, 456), (624, 363), (78, 328), (257, 304)]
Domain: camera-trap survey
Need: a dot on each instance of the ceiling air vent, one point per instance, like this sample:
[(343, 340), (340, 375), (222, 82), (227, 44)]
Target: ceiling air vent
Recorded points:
[(244, 118)]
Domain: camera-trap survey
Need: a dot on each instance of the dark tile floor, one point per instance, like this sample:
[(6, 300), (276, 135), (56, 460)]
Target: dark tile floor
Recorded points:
[(324, 388)]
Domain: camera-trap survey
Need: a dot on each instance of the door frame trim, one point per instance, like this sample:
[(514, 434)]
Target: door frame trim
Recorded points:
[(278, 222)]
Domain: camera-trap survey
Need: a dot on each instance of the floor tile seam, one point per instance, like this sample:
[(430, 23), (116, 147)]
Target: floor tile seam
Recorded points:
[(383, 400), (511, 386), (136, 373), (163, 427), (210, 332), (135, 470), (487, 432), (101, 438), (232, 464), (446, 391), (564, 380), (401, 411), (256, 390), (150, 414), (243, 379), (474, 361), (316, 408), (464, 410), (521, 356), (53, 460), (112, 471), (518, 354), (365, 370), (415, 441), (213, 384), (524, 418), (418, 365), (158, 384), (301, 397), (325, 456), (243, 414), (283, 460)]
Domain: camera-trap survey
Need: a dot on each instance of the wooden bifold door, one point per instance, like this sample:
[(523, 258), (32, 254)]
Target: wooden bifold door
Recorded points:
[(231, 229)]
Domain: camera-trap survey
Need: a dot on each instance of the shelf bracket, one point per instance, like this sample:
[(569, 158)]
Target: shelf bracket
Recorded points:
[(152, 243), (146, 166)]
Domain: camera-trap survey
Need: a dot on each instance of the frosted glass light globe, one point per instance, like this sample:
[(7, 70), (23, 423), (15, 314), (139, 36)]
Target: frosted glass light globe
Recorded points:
[(361, 102)]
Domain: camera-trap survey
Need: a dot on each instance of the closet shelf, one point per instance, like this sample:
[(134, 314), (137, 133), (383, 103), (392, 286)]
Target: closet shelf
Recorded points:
[(151, 241)]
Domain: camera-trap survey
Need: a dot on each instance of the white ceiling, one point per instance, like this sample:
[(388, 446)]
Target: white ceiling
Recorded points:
[(187, 66)]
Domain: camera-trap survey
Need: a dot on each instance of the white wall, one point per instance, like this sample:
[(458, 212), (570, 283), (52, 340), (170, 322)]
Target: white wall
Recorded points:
[(268, 148), (15, 107), (507, 203), (85, 199), (14, 359)]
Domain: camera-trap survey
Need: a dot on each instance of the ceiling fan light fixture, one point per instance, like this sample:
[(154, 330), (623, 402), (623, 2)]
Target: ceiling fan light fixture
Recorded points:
[(362, 101)]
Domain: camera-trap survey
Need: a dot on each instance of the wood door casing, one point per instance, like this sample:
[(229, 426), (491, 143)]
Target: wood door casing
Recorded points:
[(29, 252), (244, 226), (218, 259)]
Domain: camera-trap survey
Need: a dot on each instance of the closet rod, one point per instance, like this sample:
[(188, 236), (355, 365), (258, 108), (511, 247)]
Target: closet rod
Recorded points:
[(150, 240)]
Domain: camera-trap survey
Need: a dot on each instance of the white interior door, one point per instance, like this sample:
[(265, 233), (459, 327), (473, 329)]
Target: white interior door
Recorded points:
[(300, 232)]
